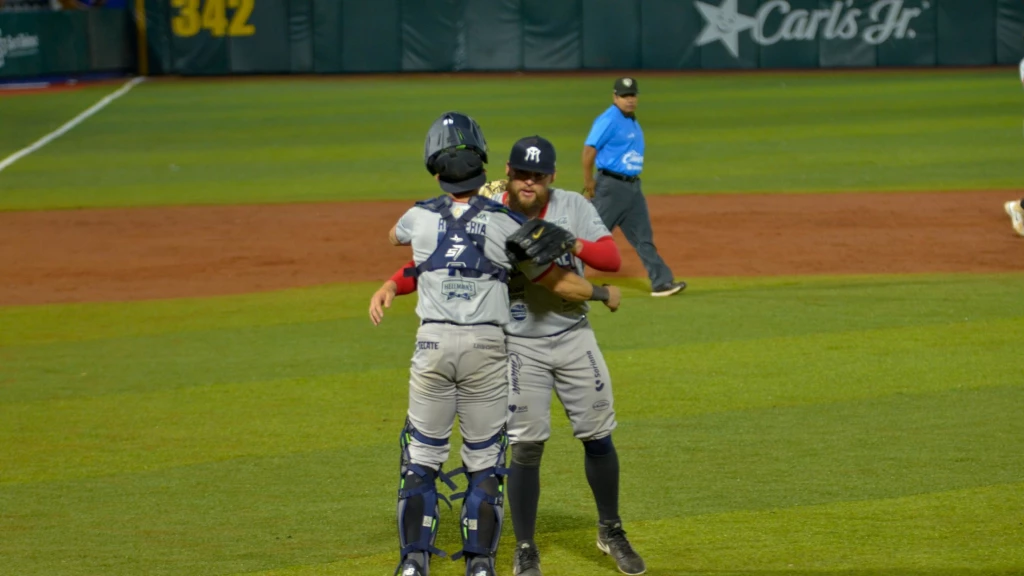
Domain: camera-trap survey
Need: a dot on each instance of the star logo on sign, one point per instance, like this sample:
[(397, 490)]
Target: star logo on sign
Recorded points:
[(724, 24)]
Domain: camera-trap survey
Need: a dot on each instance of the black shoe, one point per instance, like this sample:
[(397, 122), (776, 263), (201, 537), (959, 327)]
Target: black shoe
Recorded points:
[(668, 289), (526, 560), (611, 539), (480, 567), (409, 567)]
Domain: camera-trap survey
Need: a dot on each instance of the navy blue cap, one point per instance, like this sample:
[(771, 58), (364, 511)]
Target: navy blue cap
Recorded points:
[(533, 154)]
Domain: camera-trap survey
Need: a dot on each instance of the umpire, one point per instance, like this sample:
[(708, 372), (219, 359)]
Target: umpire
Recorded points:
[(616, 144)]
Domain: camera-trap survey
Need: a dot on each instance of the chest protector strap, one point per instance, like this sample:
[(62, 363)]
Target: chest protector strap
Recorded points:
[(458, 251)]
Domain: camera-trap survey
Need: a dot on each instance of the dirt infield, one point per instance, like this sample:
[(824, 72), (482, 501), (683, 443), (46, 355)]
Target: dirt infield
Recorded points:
[(143, 253)]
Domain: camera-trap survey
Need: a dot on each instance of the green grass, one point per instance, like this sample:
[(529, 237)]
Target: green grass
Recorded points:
[(343, 139), (848, 426), (25, 118)]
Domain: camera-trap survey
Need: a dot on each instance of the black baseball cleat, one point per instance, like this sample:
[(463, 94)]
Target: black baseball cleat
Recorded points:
[(409, 567), (668, 289), (611, 539), (479, 567), (526, 560)]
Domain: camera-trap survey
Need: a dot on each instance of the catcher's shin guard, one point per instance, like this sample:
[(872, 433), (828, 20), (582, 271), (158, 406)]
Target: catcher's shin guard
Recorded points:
[(418, 502), (483, 510)]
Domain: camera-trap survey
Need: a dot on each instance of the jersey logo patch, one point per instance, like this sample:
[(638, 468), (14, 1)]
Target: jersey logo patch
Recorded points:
[(452, 289)]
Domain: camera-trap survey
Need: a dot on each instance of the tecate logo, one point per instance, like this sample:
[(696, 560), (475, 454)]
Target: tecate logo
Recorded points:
[(890, 19)]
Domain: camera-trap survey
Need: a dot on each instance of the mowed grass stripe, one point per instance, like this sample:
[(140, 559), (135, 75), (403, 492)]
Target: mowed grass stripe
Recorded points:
[(968, 532), (286, 141), (261, 343), (878, 300), (816, 368), (250, 513), (193, 422), (28, 117)]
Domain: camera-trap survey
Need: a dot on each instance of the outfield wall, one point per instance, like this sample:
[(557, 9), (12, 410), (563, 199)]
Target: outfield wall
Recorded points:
[(67, 42), (338, 36), (218, 37)]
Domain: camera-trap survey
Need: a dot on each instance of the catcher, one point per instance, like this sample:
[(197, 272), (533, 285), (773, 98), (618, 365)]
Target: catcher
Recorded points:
[(552, 348), (465, 248)]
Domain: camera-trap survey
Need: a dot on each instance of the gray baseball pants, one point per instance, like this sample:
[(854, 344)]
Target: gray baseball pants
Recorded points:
[(623, 204), (458, 370)]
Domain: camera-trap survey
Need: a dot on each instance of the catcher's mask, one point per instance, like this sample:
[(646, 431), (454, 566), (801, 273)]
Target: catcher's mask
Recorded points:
[(456, 151)]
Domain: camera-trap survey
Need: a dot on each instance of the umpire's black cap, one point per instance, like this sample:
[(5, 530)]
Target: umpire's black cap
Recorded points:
[(626, 87), (533, 154)]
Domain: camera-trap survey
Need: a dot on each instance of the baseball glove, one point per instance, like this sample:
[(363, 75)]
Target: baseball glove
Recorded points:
[(494, 189), (539, 241)]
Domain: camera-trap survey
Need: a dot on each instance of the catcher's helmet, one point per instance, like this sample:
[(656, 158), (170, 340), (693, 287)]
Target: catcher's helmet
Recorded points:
[(456, 151)]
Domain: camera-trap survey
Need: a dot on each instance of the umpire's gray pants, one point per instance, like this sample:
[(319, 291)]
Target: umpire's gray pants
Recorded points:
[(623, 204)]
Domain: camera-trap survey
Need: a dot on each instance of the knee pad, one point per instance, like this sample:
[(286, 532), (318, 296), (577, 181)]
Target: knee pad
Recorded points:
[(527, 454), (599, 447), (483, 512), (418, 500)]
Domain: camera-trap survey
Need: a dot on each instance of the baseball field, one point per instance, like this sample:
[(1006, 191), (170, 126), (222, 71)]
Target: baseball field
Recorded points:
[(190, 384)]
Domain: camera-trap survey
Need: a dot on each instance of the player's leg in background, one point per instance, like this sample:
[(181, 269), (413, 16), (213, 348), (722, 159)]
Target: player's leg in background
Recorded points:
[(584, 387), (424, 443), (1015, 210), (636, 226), (611, 199), (482, 409), (530, 384)]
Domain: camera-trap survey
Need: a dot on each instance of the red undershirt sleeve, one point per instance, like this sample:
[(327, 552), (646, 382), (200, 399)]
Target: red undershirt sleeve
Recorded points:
[(405, 284), (601, 255)]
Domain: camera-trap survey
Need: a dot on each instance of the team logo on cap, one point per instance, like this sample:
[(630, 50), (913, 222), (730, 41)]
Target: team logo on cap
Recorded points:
[(533, 154), (627, 82)]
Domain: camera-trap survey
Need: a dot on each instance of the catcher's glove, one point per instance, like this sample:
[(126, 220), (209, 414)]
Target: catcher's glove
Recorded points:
[(539, 241)]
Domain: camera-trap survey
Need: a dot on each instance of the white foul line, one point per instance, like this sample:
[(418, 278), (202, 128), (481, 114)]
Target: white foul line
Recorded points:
[(70, 124)]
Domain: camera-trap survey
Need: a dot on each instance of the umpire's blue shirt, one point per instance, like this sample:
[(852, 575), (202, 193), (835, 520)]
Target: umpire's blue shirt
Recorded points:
[(619, 142)]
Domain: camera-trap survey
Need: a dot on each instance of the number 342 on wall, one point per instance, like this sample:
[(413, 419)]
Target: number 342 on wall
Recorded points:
[(212, 15)]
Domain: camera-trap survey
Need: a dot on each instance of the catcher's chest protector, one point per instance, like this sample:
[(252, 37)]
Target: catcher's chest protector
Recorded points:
[(460, 244)]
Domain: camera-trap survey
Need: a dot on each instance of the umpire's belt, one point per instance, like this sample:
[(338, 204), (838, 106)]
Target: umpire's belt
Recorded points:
[(618, 176), (457, 324)]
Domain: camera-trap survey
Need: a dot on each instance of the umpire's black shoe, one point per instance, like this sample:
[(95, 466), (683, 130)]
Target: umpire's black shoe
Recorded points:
[(526, 560), (611, 539), (668, 289)]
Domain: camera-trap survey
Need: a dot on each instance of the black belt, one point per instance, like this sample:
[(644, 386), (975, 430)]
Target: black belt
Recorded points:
[(496, 325), (618, 176)]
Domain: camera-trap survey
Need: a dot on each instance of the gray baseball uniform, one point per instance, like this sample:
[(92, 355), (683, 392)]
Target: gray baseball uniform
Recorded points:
[(459, 365), (551, 345)]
